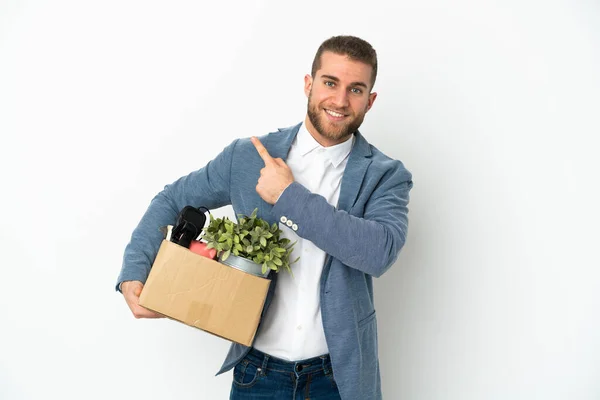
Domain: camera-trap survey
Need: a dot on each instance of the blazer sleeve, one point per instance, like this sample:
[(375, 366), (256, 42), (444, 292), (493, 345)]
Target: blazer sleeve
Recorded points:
[(371, 243), (208, 187)]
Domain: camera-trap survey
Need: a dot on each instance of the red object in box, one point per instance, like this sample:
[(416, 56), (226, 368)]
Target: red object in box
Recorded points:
[(199, 247)]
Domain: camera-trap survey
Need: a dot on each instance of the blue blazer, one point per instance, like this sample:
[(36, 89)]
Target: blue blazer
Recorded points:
[(362, 237)]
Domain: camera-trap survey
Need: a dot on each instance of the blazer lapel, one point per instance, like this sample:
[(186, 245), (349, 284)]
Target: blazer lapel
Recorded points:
[(280, 147), (355, 173)]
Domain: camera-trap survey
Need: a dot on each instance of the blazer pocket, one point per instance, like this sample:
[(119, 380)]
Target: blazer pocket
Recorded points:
[(367, 319)]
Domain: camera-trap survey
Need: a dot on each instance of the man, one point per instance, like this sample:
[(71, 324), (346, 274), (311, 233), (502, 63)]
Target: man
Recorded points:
[(346, 204)]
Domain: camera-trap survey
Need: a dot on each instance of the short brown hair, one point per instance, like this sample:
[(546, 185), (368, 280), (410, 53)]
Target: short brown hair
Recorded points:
[(355, 48)]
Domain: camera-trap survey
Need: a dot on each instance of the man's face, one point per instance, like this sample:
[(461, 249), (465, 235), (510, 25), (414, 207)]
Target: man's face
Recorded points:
[(338, 98)]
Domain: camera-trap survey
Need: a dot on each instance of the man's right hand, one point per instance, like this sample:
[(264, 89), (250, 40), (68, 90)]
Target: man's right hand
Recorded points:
[(131, 291)]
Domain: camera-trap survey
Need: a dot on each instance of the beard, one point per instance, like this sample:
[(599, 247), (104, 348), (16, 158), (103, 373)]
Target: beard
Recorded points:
[(331, 130)]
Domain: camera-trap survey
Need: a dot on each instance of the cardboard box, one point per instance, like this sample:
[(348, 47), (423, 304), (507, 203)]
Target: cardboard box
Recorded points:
[(205, 294)]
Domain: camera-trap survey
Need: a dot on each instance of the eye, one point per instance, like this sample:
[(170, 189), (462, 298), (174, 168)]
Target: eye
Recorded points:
[(329, 83), (356, 90)]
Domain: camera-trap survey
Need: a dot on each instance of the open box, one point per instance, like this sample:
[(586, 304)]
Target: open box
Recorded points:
[(205, 294)]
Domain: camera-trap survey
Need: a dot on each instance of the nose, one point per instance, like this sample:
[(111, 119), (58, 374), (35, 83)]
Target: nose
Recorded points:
[(340, 98)]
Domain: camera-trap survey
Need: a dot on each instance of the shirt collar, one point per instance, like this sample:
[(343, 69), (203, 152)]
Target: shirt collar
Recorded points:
[(306, 144)]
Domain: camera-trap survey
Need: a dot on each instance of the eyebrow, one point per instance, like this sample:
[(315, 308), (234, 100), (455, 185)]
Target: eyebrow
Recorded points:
[(333, 78)]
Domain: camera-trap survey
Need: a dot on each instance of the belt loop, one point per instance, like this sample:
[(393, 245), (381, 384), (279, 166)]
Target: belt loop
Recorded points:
[(264, 365), (325, 369)]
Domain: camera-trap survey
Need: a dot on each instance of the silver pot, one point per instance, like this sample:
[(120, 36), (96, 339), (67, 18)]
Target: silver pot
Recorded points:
[(243, 264)]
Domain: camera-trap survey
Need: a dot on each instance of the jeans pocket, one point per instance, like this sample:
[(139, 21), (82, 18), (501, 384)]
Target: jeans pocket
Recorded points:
[(246, 374)]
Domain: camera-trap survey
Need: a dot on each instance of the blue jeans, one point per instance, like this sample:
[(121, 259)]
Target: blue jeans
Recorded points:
[(261, 376)]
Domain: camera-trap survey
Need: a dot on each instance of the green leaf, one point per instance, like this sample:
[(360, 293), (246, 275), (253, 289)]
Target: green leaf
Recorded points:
[(210, 245), (263, 241), (229, 242), (254, 213), (249, 249), (264, 269), (236, 239), (238, 247), (225, 255), (222, 238), (271, 265), (277, 261)]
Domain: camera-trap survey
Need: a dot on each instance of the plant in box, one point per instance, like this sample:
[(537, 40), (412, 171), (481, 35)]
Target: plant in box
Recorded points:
[(250, 244)]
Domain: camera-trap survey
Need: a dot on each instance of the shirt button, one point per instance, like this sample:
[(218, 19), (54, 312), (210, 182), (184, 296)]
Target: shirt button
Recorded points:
[(295, 227), (283, 220), (289, 222), (298, 368)]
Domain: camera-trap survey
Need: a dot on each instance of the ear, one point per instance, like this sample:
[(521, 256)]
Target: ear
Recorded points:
[(307, 84), (372, 98)]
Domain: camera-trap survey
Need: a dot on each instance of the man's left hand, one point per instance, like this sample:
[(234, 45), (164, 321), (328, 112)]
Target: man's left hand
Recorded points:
[(274, 177)]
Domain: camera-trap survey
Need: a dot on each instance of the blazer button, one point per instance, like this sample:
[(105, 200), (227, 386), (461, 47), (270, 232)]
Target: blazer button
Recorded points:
[(295, 227), (283, 220), (289, 223)]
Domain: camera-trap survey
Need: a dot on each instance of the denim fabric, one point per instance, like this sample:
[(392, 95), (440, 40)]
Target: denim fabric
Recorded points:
[(260, 376)]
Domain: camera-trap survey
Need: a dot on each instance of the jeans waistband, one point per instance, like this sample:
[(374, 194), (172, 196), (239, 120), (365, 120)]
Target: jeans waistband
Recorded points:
[(269, 362)]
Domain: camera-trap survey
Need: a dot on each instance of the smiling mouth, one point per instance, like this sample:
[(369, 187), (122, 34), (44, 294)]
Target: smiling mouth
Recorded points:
[(334, 114)]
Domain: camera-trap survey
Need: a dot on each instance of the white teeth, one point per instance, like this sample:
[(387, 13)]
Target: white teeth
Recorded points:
[(334, 114)]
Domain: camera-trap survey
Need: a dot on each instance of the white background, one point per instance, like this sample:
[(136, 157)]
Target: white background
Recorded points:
[(493, 106)]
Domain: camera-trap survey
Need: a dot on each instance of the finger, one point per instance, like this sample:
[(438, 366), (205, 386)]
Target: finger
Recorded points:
[(280, 162), (262, 152), (149, 313), (141, 312)]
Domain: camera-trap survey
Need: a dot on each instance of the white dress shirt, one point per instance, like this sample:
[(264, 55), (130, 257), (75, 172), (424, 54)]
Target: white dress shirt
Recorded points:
[(292, 328)]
